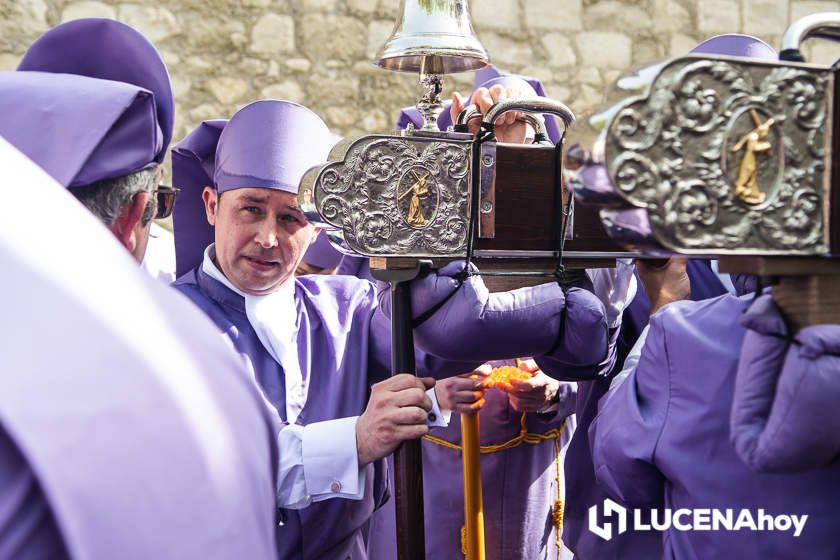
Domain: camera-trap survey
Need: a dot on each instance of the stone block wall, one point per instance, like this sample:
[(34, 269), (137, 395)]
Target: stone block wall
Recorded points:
[(223, 54)]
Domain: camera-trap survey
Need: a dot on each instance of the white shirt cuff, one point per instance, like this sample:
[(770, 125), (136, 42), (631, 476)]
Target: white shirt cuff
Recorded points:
[(331, 461), (318, 462), (438, 418)]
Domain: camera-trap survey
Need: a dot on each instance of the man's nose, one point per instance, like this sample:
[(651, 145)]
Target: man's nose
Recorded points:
[(267, 235)]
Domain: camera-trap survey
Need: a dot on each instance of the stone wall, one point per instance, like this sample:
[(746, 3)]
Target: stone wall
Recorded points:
[(224, 53)]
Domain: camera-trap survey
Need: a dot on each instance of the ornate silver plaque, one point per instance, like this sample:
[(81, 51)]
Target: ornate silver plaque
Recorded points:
[(729, 155), (406, 196)]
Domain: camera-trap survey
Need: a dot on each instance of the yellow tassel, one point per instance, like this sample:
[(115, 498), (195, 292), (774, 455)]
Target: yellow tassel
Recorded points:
[(557, 508), (557, 514)]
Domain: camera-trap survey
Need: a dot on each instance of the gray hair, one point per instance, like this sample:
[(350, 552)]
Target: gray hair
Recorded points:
[(106, 198)]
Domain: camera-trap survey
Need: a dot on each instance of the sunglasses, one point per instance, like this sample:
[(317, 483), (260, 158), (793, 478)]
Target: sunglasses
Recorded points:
[(165, 200)]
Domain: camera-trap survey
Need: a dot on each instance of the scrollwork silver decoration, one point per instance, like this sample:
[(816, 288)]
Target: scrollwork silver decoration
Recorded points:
[(636, 173), (678, 153), (399, 196)]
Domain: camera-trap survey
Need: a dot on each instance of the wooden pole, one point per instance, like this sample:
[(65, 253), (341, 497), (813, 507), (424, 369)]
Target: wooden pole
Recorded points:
[(408, 460), (473, 504)]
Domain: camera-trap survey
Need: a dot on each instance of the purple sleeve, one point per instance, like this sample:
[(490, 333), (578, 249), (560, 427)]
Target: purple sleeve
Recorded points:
[(27, 528), (784, 411), (475, 325), (556, 365), (624, 435)]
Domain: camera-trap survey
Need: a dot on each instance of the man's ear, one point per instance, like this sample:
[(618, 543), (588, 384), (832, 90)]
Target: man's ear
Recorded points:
[(211, 204), (125, 226)]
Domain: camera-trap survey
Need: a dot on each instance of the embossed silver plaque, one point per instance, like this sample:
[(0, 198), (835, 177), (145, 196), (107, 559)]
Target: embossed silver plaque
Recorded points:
[(729, 155), (402, 195)]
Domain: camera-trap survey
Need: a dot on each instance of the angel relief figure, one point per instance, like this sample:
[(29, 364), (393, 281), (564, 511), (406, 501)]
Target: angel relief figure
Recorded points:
[(417, 190), (754, 142)]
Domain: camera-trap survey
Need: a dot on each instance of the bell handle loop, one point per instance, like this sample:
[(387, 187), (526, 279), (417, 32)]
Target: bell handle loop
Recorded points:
[(538, 105), (823, 25)]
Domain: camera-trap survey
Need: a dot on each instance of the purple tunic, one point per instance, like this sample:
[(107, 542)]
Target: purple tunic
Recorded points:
[(519, 485), (28, 528), (575, 342), (662, 440), (581, 489), (147, 440), (343, 348)]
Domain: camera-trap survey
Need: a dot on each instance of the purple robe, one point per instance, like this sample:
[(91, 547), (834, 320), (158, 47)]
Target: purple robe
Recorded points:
[(519, 486), (26, 523), (522, 507), (582, 491), (573, 339), (784, 413), (343, 348), (662, 440), (146, 439)]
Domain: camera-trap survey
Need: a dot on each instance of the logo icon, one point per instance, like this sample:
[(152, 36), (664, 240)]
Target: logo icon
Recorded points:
[(611, 508)]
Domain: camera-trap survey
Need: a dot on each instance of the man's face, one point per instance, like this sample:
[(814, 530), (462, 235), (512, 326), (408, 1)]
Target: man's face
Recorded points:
[(261, 236)]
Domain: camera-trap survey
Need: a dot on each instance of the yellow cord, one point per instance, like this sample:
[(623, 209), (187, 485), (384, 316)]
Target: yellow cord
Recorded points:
[(524, 437), (531, 438)]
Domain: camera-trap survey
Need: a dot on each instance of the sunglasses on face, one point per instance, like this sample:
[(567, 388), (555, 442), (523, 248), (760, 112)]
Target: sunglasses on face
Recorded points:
[(165, 200)]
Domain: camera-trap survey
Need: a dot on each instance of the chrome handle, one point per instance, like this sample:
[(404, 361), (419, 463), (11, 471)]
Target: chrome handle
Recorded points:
[(823, 25), (538, 105)]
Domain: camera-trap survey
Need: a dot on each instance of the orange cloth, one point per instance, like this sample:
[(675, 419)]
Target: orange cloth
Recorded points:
[(505, 374)]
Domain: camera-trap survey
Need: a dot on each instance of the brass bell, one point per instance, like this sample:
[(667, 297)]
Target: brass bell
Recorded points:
[(433, 37)]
